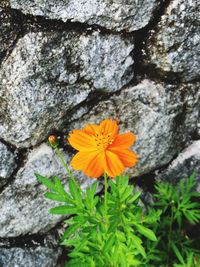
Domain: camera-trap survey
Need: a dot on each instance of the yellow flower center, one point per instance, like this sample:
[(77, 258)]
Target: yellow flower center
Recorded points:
[(103, 140)]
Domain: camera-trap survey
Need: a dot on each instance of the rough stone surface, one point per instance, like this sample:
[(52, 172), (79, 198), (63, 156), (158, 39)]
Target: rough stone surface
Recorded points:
[(48, 73), (198, 128), (29, 257), (65, 63), (175, 47), (162, 116), (7, 164), (9, 30), (129, 15), (23, 206), (184, 165)]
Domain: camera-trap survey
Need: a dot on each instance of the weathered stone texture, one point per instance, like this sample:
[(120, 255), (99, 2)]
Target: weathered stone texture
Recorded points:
[(23, 206), (187, 163), (7, 164), (129, 15), (55, 77), (29, 257), (9, 30), (162, 116), (48, 73), (175, 46)]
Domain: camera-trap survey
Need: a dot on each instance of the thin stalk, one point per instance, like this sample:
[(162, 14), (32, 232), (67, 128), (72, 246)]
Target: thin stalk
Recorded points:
[(169, 235), (105, 195), (64, 163)]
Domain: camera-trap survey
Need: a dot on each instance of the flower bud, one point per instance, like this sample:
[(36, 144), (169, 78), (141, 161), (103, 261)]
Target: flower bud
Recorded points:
[(53, 140)]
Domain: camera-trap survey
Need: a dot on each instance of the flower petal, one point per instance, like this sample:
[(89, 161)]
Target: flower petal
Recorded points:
[(112, 164), (95, 168), (123, 141), (82, 159), (82, 141), (127, 157), (91, 129), (109, 127)]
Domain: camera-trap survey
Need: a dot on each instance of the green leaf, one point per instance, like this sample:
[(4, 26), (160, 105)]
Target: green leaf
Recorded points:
[(137, 242), (94, 188), (134, 197), (113, 187), (177, 253), (80, 218), (54, 196), (122, 260), (75, 191), (146, 232), (70, 230), (58, 185), (122, 181), (113, 225), (63, 210), (178, 217), (91, 200), (45, 181), (110, 242), (134, 262), (191, 216), (127, 192)]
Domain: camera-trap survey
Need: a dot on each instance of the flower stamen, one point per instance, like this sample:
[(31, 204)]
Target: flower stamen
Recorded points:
[(103, 140)]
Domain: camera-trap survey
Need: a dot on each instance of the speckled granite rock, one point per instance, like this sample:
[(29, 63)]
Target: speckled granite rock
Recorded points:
[(56, 76), (162, 116), (9, 29), (7, 164), (129, 15), (184, 165), (23, 206), (29, 257), (175, 46), (48, 73)]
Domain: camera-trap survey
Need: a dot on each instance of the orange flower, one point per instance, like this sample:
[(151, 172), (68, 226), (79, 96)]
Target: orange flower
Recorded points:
[(102, 149)]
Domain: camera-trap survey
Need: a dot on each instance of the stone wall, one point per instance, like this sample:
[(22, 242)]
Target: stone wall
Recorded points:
[(64, 63)]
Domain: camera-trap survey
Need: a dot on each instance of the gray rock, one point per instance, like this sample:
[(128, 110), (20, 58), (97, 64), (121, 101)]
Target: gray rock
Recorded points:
[(9, 30), (5, 3), (187, 163), (175, 47), (129, 15), (29, 257), (23, 206), (162, 116), (7, 164), (198, 128), (48, 73), (146, 198)]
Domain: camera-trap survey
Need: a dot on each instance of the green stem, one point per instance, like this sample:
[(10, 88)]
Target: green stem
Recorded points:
[(169, 235), (105, 195), (64, 163)]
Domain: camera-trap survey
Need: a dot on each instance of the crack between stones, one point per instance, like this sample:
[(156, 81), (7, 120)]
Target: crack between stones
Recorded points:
[(31, 22), (10, 49), (97, 97), (147, 181), (28, 23), (17, 20), (20, 158), (34, 240), (150, 71), (141, 71), (10, 146)]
